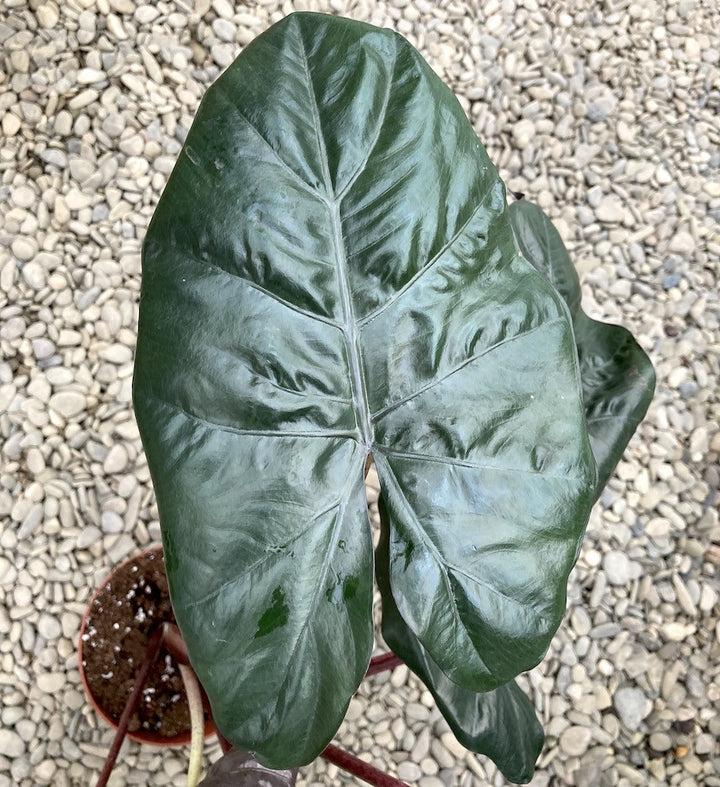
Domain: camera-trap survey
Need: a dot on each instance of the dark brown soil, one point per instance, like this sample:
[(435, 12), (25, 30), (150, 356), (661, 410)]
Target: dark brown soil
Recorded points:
[(122, 617)]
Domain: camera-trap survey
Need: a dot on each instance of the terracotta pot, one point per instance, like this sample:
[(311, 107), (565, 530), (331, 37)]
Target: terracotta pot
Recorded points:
[(140, 736)]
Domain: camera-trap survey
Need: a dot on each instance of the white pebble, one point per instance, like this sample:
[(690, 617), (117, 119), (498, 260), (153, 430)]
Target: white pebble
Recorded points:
[(23, 196), (51, 682), (11, 744), (24, 248), (68, 403), (33, 275), (49, 627)]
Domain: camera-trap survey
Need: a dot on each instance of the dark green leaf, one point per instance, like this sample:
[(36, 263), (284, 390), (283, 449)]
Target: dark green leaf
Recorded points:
[(331, 272), (618, 378), (500, 723)]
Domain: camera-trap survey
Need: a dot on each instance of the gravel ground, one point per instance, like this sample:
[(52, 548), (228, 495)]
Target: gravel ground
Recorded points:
[(606, 114)]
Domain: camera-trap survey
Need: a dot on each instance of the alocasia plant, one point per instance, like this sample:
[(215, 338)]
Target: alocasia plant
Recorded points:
[(333, 273)]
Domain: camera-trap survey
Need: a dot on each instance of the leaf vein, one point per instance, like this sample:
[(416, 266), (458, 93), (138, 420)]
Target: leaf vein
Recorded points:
[(254, 285), (278, 158), (378, 130), (379, 414), (453, 462), (428, 265), (325, 433)]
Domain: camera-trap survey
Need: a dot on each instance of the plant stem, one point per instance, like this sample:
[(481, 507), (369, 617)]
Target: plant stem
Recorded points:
[(197, 723), (151, 653), (381, 663), (362, 770)]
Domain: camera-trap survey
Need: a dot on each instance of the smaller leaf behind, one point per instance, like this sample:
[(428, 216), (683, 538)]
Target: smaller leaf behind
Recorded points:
[(500, 724), (618, 379)]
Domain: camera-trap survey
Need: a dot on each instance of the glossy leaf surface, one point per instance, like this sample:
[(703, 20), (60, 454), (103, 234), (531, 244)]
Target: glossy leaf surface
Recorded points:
[(331, 272), (500, 723), (618, 378)]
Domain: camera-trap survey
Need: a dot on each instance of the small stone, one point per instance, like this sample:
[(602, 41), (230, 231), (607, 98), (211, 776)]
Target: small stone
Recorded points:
[(76, 200), (617, 568), (705, 744), (34, 460), (70, 623), (451, 743), (523, 133), (224, 29), (68, 403), (682, 243), (145, 14), (409, 771), (47, 15), (575, 740), (57, 158), (580, 621), (49, 627), (134, 84), (677, 632), (88, 536), (116, 460), (23, 196), (664, 178), (50, 682), (660, 741), (632, 707), (111, 522), (610, 210), (25, 728), (113, 125), (86, 76), (223, 8), (117, 353), (30, 521), (595, 112), (121, 548), (115, 27), (683, 596), (11, 744), (223, 54), (43, 349), (45, 770), (10, 124), (22, 596), (123, 6), (33, 275), (24, 248)]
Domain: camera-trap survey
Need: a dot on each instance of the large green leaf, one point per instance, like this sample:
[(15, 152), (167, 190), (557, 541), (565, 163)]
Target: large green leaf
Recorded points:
[(331, 272), (617, 376), (500, 723)]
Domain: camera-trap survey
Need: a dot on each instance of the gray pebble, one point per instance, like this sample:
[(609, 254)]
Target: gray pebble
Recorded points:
[(595, 112), (632, 707)]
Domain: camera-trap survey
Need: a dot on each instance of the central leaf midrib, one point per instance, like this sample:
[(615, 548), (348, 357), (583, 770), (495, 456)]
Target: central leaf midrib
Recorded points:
[(350, 333), (349, 322)]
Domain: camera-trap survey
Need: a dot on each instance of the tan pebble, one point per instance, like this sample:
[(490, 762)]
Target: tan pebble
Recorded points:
[(47, 15), (10, 124), (115, 27)]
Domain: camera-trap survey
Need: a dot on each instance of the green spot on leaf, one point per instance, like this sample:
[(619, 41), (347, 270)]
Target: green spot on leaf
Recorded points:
[(350, 586), (274, 616)]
